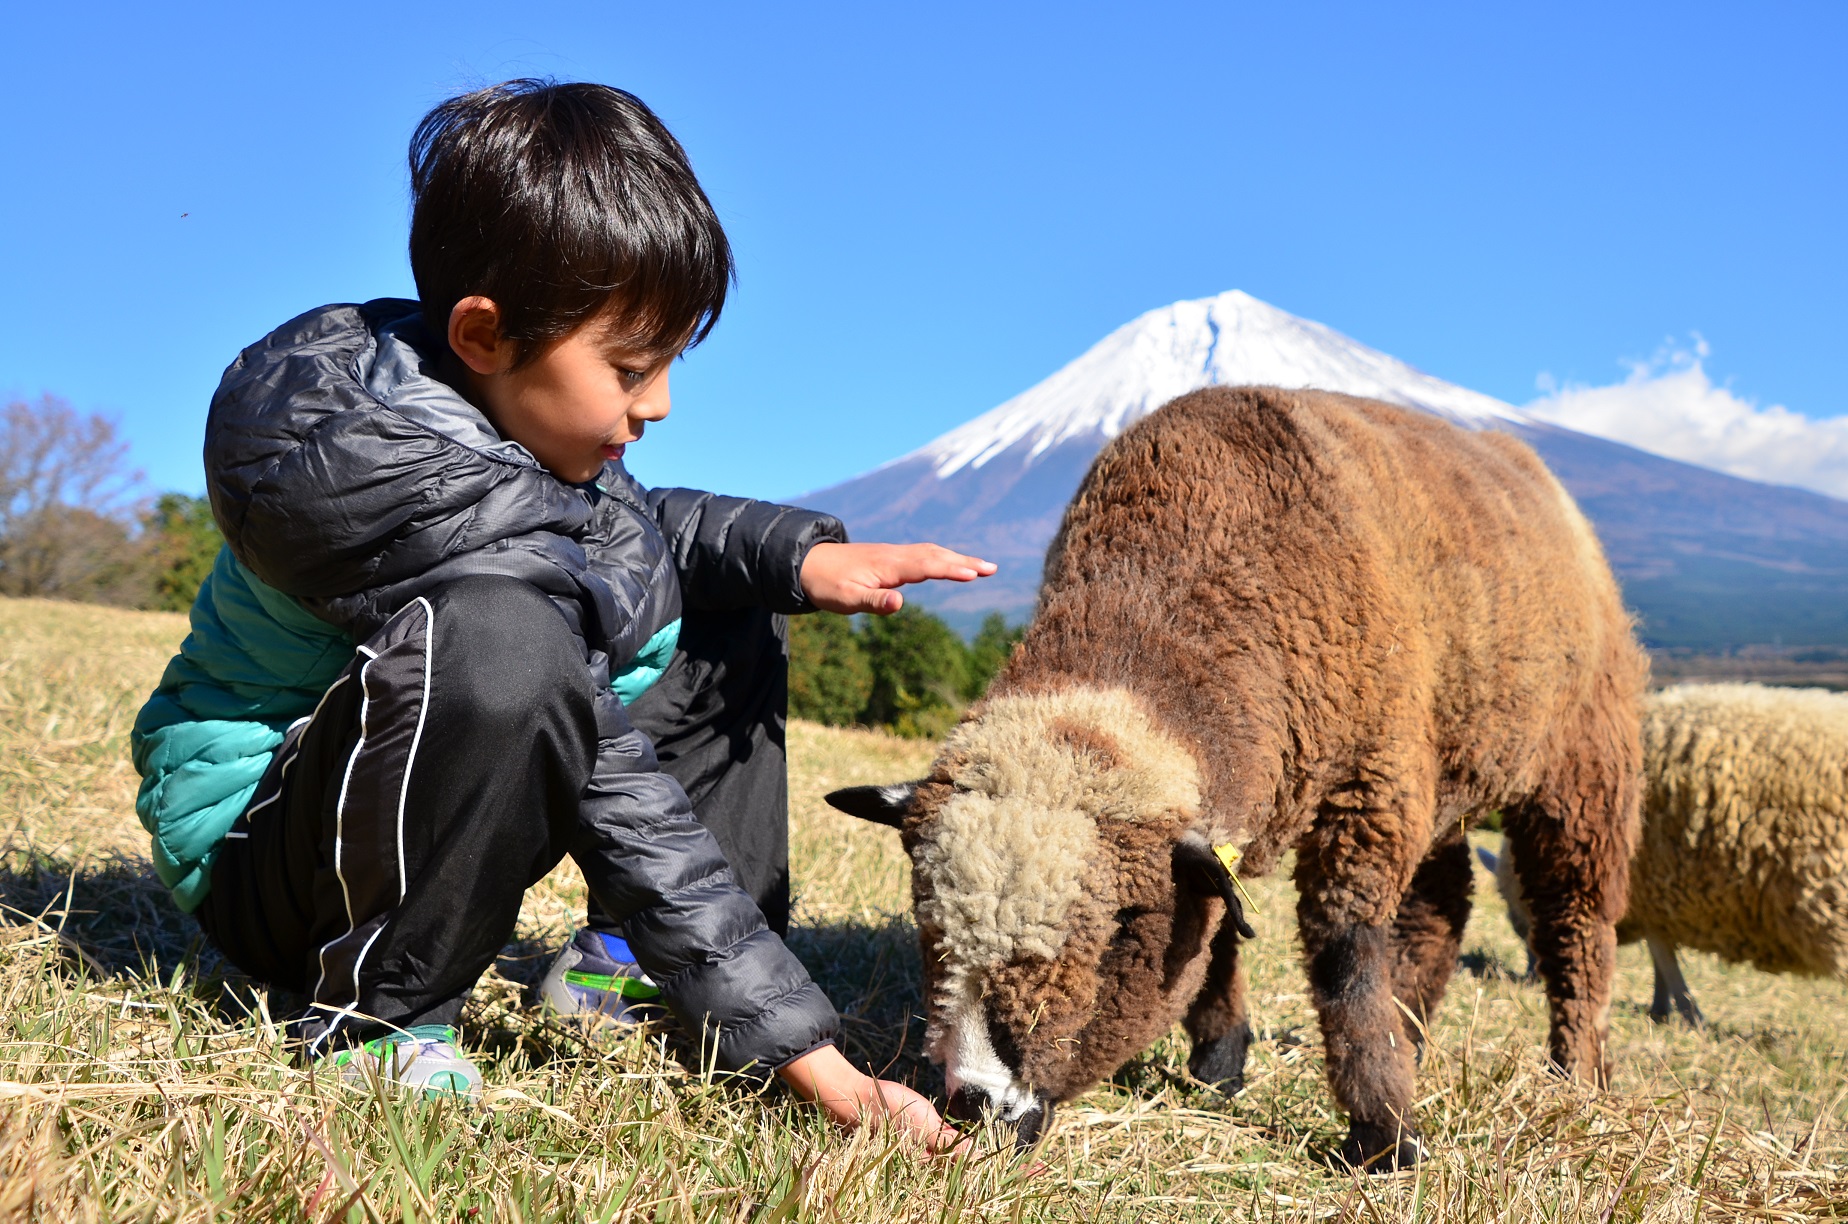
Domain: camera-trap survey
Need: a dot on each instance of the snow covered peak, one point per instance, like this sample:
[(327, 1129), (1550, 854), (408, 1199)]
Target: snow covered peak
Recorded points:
[(1226, 340)]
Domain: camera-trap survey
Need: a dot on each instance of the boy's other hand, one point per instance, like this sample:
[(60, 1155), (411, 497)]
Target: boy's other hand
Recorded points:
[(853, 1099), (849, 578)]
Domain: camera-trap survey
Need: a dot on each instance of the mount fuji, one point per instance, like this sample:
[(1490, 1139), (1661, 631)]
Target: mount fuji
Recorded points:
[(1707, 560)]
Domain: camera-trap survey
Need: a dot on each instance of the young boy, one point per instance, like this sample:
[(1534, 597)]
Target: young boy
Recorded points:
[(403, 698)]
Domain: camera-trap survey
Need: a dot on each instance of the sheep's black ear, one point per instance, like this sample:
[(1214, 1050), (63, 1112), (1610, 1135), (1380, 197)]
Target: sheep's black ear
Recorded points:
[(1198, 868), (884, 805)]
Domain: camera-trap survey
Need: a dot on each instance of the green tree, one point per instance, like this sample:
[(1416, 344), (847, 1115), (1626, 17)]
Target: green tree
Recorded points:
[(182, 543), (829, 676), (920, 669), (993, 643)]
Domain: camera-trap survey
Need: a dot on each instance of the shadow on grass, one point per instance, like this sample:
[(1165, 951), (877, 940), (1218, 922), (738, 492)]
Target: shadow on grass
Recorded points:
[(1479, 963), (114, 914), (872, 974), (524, 961), (869, 971), (116, 922)]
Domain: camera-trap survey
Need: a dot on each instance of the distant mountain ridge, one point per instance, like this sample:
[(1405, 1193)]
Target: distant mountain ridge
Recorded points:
[(1707, 560)]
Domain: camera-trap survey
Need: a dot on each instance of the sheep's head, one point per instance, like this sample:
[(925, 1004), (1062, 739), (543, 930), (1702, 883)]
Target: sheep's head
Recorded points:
[(1065, 893)]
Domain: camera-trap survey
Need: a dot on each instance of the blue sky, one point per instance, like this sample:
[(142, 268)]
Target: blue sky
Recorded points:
[(936, 206)]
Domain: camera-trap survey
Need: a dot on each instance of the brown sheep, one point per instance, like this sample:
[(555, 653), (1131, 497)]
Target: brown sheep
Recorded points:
[(1277, 620)]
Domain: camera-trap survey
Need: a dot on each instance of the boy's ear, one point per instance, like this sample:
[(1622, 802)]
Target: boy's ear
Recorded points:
[(475, 335), (884, 805)]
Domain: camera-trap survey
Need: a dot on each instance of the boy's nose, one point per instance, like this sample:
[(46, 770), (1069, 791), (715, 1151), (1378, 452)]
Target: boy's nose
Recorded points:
[(655, 404)]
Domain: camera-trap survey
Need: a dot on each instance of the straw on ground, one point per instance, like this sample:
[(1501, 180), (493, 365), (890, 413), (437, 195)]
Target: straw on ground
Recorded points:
[(140, 1078)]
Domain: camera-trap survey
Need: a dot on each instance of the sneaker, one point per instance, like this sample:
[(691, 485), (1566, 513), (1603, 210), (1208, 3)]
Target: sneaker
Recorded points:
[(595, 976), (423, 1057)]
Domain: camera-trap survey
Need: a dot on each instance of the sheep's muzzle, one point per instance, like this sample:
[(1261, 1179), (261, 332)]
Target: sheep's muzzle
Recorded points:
[(973, 1106)]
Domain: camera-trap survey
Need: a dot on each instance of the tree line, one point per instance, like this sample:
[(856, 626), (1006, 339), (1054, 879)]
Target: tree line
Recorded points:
[(76, 524), (909, 672)]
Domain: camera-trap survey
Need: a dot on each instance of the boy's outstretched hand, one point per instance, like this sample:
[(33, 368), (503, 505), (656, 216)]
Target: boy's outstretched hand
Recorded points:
[(851, 578), (853, 1098)]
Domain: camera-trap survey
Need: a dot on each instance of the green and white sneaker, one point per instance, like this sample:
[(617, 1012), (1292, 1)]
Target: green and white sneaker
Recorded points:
[(595, 978), (423, 1057)]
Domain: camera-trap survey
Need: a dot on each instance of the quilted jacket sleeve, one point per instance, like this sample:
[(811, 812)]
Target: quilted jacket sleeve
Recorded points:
[(734, 552), (652, 866)]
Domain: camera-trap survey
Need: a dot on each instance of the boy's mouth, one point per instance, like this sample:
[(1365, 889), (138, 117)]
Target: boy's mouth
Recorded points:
[(614, 450)]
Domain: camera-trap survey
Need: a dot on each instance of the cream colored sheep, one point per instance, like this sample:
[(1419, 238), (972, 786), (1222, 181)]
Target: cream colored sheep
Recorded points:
[(1744, 848)]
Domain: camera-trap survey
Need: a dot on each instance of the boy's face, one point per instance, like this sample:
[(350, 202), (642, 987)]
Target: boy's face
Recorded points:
[(574, 406)]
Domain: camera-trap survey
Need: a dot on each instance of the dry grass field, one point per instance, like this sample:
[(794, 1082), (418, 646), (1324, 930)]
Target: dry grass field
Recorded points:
[(141, 1079)]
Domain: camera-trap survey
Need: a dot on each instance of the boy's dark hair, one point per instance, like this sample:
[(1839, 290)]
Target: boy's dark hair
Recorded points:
[(561, 202)]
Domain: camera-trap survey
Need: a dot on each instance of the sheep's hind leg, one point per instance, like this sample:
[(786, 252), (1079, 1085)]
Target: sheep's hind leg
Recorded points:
[(1217, 1022), (1427, 931), (1352, 873), (1572, 855), (1671, 989)]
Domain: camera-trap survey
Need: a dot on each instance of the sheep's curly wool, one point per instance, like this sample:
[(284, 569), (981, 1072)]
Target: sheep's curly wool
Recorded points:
[(1744, 851), (1033, 780), (1280, 621)]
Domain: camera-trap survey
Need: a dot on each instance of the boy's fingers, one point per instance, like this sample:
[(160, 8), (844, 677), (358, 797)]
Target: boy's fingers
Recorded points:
[(868, 580), (918, 1117), (951, 1142), (883, 602), (922, 562), (940, 562)]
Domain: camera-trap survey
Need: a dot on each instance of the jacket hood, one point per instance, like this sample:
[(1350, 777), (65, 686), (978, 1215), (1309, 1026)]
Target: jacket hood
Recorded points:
[(344, 473), (399, 371)]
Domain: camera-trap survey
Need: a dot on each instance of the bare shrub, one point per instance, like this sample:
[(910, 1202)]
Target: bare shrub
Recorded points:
[(68, 506)]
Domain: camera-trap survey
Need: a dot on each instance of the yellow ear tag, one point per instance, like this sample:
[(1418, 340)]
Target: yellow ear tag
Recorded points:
[(1229, 855)]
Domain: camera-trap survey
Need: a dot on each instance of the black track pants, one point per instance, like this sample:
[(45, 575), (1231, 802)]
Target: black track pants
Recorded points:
[(716, 717), (380, 866)]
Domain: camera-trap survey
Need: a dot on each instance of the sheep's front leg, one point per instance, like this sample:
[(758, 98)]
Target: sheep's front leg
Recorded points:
[(1352, 874), (1671, 989), (1217, 1021)]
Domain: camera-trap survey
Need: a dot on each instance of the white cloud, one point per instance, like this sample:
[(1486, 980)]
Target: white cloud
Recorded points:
[(1669, 406)]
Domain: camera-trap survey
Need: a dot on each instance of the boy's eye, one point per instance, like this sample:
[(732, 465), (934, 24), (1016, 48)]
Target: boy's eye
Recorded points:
[(632, 378)]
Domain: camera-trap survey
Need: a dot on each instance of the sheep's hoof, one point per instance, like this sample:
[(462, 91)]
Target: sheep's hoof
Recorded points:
[(1374, 1148), (1221, 1062)]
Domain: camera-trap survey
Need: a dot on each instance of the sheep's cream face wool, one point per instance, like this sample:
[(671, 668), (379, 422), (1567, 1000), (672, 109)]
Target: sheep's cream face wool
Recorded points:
[(1094, 751), (1030, 846), (1004, 874)]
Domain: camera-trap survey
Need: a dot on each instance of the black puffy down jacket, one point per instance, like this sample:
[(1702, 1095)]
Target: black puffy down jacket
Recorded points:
[(345, 475)]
